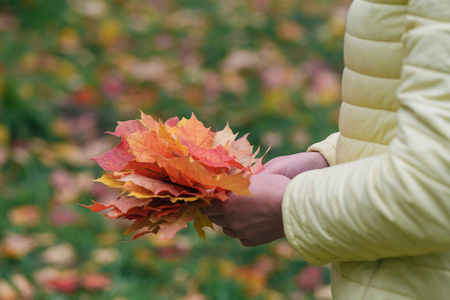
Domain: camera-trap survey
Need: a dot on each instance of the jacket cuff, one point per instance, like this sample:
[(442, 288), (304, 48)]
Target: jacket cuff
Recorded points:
[(327, 148)]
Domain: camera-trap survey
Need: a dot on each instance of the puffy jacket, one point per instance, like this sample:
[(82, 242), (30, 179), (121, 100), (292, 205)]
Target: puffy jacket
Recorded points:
[(381, 213)]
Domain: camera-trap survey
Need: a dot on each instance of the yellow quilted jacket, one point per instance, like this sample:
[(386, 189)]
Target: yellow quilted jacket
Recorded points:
[(381, 213)]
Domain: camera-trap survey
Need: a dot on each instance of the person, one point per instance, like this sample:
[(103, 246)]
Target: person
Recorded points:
[(373, 199)]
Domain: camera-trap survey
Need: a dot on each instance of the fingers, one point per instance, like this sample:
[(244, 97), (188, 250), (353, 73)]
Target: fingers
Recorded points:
[(218, 220), (247, 243), (269, 168), (230, 232), (270, 162), (233, 234), (214, 210), (273, 168)]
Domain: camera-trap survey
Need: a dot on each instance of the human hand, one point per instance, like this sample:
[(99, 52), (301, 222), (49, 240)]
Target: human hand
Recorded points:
[(292, 165), (254, 220)]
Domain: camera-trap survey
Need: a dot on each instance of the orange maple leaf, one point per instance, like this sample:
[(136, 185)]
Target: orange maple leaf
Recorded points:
[(194, 131), (145, 144)]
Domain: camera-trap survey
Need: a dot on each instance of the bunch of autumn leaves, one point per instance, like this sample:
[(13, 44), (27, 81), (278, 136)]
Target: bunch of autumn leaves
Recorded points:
[(167, 171)]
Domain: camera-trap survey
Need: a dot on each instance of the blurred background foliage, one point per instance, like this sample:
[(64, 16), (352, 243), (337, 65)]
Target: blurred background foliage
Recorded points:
[(71, 69)]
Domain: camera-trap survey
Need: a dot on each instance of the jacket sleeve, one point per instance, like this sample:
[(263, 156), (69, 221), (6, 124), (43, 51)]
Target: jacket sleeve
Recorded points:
[(397, 203), (327, 148)]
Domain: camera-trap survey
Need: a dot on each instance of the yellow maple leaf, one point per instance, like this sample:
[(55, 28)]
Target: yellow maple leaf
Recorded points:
[(200, 221)]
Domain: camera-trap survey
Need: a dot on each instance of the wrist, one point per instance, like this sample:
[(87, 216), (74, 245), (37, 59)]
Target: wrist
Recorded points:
[(317, 160)]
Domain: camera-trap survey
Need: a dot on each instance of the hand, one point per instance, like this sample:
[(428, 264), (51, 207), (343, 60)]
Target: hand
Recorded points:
[(254, 220), (292, 165)]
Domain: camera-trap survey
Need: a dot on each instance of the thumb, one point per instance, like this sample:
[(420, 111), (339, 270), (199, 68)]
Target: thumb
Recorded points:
[(273, 168)]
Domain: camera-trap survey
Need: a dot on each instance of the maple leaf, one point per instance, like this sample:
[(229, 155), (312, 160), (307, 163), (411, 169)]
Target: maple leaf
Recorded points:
[(173, 144), (97, 206), (151, 170), (189, 168), (214, 157), (117, 158), (172, 122), (126, 128), (224, 137), (176, 222), (167, 170), (109, 181), (194, 131), (125, 204), (149, 122), (155, 185), (200, 221), (137, 191), (143, 145)]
